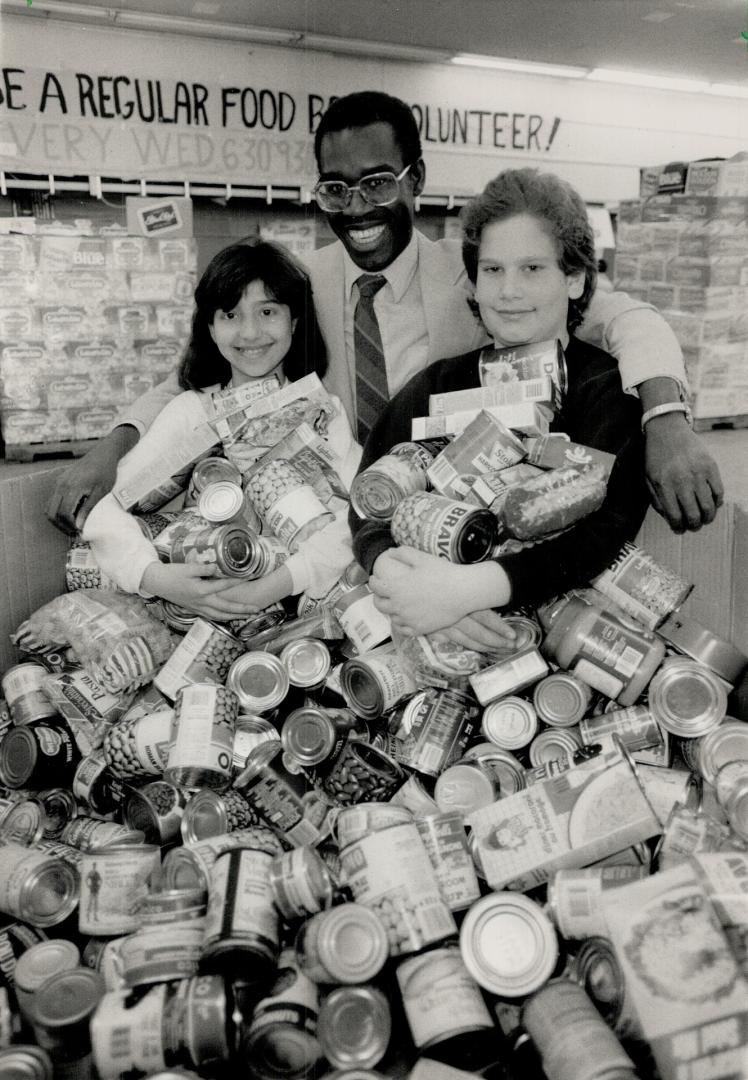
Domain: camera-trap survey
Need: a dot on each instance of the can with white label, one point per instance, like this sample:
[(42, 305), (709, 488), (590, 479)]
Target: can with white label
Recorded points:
[(445, 840), (23, 691), (202, 740), (242, 930), (441, 998), (113, 881)]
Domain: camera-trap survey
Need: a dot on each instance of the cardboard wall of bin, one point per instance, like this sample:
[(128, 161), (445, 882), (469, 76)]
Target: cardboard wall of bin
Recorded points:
[(32, 557)]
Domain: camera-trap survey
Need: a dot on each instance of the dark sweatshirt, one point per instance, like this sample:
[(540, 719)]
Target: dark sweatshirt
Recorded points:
[(595, 412)]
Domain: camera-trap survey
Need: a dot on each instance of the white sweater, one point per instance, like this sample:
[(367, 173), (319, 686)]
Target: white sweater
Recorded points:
[(123, 552)]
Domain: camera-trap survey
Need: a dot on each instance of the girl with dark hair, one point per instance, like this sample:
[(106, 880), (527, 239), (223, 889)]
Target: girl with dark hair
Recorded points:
[(254, 318), (529, 253)]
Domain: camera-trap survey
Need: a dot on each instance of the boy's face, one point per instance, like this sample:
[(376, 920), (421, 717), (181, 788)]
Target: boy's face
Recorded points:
[(373, 236), (522, 293)]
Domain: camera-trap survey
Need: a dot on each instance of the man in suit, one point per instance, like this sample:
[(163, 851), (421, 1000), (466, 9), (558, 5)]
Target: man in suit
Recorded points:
[(368, 152)]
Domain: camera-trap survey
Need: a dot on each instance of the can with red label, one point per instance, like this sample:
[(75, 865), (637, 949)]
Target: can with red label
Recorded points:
[(242, 929), (22, 687), (445, 840), (457, 531), (202, 739), (390, 872), (38, 756)]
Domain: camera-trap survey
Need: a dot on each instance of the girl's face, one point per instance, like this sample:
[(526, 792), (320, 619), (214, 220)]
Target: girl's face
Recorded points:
[(522, 293), (255, 335)]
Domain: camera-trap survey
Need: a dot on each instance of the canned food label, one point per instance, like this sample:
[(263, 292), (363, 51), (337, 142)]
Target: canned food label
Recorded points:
[(391, 873), (354, 822), (199, 739), (439, 727), (161, 953), (112, 883), (86, 775), (635, 726), (150, 740), (642, 587), (23, 679), (363, 624), (293, 999), (446, 845), (126, 1034), (440, 997), (241, 905), (49, 741), (508, 676), (187, 663), (86, 833), (292, 511), (577, 908), (609, 656), (393, 679)]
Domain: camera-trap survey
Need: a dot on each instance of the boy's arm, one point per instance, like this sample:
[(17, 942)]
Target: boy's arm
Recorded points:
[(89, 478), (683, 480)]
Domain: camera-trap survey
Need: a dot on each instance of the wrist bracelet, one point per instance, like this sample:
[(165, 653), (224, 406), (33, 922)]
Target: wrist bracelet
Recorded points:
[(668, 407)]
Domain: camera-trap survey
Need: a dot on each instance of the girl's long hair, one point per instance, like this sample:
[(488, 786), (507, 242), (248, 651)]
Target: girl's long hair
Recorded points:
[(221, 288)]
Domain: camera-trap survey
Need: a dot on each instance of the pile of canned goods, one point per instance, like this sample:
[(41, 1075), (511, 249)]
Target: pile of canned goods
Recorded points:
[(306, 850)]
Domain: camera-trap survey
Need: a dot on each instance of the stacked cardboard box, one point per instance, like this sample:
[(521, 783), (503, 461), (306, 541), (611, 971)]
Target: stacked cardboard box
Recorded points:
[(688, 255), (87, 324)]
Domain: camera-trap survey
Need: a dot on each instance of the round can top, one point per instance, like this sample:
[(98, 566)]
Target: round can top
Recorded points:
[(690, 637), (220, 500), (352, 943), (361, 688), (561, 699), (527, 630), (554, 745), (204, 816), (508, 944), (508, 770), (354, 1026), (25, 1063), (726, 743), (259, 680), (687, 698), (43, 960), (68, 998), (465, 786), (307, 661), (308, 734), (510, 722), (24, 822), (18, 755)]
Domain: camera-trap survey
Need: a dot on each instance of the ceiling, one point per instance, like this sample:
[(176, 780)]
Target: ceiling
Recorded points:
[(698, 39)]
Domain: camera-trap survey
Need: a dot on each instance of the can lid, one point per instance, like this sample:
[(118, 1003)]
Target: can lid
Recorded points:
[(352, 943), (204, 816), (50, 892), (259, 680), (726, 743), (508, 944), (307, 661), (690, 637), (18, 754), (361, 689), (465, 786), (554, 744), (354, 1026), (561, 699), (687, 698), (25, 1063), (43, 960), (220, 500), (510, 722), (68, 998), (308, 734), (25, 821), (508, 770)]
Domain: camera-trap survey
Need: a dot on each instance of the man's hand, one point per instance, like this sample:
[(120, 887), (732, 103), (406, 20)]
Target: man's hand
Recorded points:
[(682, 477), (193, 586), (89, 479)]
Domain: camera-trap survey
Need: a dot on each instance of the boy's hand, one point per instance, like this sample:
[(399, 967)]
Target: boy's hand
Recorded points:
[(422, 593), (484, 631), (683, 480), (193, 586)]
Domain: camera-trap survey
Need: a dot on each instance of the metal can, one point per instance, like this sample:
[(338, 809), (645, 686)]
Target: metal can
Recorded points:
[(376, 682), (690, 638), (286, 502), (283, 1027), (435, 726), (571, 1036), (249, 732), (414, 796), (301, 882), (315, 736), (140, 746), (210, 813), (202, 739), (224, 501), (726, 743), (86, 833), (377, 490), (191, 866), (561, 699), (364, 625), (260, 622), (277, 795), (555, 744), (23, 690), (69, 854), (354, 822), (687, 698), (96, 786), (113, 880), (35, 887), (24, 822), (259, 680), (635, 726), (574, 897), (440, 997), (37, 964), (38, 755), (445, 841), (209, 470), (26, 1063), (156, 810), (355, 1026), (508, 676), (345, 944), (229, 548), (63, 1008), (16, 938), (189, 1021), (155, 954), (642, 587), (465, 786), (204, 655), (361, 773), (241, 923), (508, 770), (596, 969), (391, 873), (508, 944), (457, 531), (510, 723), (176, 617), (307, 661)]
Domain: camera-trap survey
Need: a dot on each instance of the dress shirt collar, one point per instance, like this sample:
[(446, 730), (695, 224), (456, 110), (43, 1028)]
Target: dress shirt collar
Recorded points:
[(399, 273)]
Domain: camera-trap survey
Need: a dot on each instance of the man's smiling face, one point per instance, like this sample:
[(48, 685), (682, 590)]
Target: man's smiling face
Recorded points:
[(373, 236)]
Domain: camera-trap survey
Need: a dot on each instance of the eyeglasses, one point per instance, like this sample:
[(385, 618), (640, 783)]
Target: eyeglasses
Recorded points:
[(378, 189)]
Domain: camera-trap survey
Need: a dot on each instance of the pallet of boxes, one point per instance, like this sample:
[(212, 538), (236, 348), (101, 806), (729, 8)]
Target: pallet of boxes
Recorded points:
[(87, 324), (298, 845), (686, 252)]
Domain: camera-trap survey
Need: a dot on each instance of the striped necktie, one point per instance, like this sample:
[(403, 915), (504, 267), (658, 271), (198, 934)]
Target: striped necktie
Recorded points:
[(371, 375)]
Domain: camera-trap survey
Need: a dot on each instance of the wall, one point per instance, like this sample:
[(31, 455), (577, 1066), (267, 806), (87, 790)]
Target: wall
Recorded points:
[(214, 110)]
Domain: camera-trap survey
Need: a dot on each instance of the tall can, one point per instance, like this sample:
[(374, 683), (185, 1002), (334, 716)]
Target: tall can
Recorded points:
[(241, 925), (641, 587), (445, 840), (205, 654), (391, 873), (191, 865), (457, 531), (286, 502), (436, 726), (202, 740), (277, 795)]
